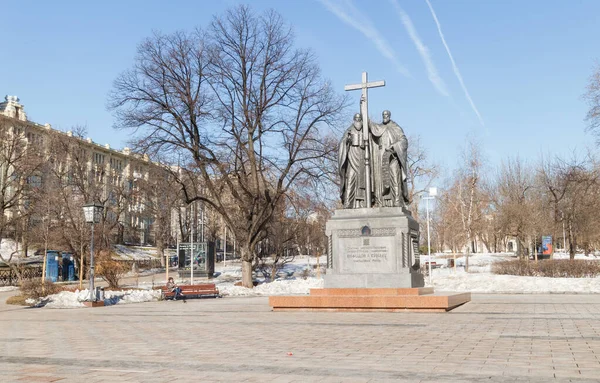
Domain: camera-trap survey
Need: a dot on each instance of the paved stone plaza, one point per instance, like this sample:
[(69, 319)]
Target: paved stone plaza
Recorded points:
[(494, 338)]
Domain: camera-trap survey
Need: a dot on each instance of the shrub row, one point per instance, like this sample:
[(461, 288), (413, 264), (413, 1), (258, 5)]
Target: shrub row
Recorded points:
[(561, 268), (33, 289)]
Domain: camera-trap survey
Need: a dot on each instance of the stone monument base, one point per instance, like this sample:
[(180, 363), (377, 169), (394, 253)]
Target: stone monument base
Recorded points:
[(373, 248), (374, 299)]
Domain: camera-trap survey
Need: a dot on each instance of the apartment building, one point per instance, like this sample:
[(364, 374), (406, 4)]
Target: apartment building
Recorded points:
[(105, 166)]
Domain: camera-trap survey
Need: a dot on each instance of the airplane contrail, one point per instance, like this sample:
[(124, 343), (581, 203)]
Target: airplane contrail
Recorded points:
[(350, 15), (454, 66), (432, 71)]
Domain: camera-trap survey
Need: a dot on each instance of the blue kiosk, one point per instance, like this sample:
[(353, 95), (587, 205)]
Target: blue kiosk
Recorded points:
[(59, 266), (68, 267), (52, 265)]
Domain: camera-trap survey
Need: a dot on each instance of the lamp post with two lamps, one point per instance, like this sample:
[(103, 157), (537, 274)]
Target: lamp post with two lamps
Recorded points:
[(432, 193), (92, 213)]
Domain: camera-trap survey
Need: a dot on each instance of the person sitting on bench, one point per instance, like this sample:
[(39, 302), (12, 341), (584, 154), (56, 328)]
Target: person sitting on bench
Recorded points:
[(173, 288)]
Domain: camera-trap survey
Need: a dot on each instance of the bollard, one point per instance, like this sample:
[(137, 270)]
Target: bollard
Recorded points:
[(99, 293)]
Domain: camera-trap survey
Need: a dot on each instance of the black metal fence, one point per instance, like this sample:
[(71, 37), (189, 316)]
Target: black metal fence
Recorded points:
[(10, 277)]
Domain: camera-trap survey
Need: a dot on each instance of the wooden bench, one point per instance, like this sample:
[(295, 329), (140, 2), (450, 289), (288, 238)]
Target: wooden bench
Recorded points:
[(205, 290)]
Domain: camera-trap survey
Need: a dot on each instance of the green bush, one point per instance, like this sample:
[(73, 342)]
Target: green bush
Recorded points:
[(561, 268)]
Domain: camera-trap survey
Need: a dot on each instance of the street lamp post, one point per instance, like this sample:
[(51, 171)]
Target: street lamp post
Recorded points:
[(432, 194), (92, 213)]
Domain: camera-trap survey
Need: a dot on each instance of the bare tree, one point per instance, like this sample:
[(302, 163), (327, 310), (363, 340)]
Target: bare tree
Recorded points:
[(20, 163), (514, 200), (245, 110), (72, 179), (570, 189), (421, 172), (592, 96), (466, 197), (161, 198)]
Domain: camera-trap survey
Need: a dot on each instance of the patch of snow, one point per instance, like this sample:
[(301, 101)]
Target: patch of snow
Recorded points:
[(492, 283), (278, 287), (130, 296), (68, 299), (8, 248), (8, 288), (65, 299), (136, 252)]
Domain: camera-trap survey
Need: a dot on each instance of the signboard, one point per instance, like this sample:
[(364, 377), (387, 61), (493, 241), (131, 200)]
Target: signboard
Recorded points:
[(185, 250), (547, 245)]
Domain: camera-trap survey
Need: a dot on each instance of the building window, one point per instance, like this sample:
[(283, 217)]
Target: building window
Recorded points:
[(98, 158)]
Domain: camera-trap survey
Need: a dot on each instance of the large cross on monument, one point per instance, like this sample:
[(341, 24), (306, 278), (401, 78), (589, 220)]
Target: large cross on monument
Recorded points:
[(364, 111)]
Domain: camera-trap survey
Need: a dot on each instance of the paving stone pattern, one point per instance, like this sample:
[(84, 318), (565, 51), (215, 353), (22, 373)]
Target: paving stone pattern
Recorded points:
[(494, 338)]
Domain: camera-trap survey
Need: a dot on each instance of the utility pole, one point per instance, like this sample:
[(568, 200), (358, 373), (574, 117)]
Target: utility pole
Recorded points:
[(192, 243)]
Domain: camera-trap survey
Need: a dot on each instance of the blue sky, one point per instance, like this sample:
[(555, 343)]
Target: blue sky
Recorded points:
[(525, 64)]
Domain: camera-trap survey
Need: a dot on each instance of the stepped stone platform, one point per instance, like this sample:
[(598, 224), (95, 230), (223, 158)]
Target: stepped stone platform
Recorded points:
[(422, 299)]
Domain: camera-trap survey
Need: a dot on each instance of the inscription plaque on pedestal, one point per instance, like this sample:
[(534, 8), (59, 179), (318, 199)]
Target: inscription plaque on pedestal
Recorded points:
[(367, 255)]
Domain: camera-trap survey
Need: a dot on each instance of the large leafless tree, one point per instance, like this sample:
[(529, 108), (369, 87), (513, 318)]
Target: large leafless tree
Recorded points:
[(240, 108)]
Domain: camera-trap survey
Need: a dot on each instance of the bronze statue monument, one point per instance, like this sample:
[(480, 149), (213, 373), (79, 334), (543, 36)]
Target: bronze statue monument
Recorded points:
[(373, 261), (388, 147)]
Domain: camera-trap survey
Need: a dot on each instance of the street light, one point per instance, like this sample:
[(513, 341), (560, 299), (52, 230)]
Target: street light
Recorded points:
[(92, 213), (432, 194)]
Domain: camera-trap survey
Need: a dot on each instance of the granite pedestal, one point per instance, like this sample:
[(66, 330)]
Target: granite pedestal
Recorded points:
[(375, 299), (373, 264)]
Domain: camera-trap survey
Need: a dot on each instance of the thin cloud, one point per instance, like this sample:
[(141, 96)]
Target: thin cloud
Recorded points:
[(432, 72), (454, 67), (349, 14)]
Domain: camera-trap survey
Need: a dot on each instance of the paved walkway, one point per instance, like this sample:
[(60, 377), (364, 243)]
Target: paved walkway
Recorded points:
[(495, 338)]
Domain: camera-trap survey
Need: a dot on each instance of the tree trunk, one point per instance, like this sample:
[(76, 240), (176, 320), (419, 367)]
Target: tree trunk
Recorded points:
[(497, 244), (161, 254), (274, 271), (160, 249), (247, 267), (572, 242)]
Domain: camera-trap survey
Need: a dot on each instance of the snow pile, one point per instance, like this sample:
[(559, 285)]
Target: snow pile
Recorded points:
[(65, 299), (131, 296), (68, 299), (278, 287), (491, 283), (230, 270), (8, 288), (590, 257)]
